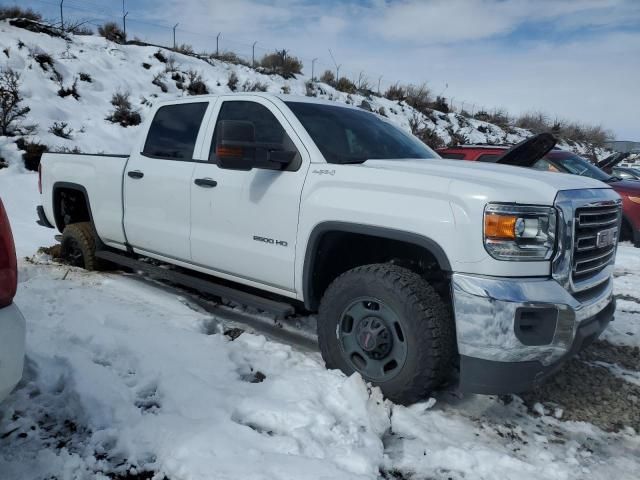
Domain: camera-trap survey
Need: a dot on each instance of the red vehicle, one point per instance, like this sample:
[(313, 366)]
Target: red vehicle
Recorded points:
[(563, 161)]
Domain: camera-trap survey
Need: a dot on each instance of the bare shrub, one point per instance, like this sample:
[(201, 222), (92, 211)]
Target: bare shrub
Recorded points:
[(11, 110), (158, 80), (32, 153), (229, 57), (232, 82), (44, 60), (171, 64), (85, 77), (69, 91), (160, 56), (328, 77), (185, 49), (345, 85), (396, 93), (77, 27), (426, 134), (123, 113), (111, 31), (310, 89), (17, 12), (537, 122), (256, 86), (441, 105), (61, 129), (281, 63), (419, 97), (196, 85)]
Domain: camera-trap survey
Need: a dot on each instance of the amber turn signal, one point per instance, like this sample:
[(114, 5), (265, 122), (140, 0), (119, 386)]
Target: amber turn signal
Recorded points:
[(500, 226), (228, 151)]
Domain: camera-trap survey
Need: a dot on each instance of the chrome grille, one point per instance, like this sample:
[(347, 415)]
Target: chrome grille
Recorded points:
[(592, 223)]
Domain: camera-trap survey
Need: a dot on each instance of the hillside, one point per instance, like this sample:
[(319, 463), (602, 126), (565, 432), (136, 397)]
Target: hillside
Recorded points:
[(68, 85)]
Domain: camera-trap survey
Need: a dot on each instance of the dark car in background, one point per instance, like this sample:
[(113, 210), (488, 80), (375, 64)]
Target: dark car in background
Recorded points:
[(626, 173), (563, 161)]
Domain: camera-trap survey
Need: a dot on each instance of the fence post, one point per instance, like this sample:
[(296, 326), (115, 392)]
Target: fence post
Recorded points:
[(218, 44), (124, 25), (313, 64), (253, 54), (61, 16), (174, 35)]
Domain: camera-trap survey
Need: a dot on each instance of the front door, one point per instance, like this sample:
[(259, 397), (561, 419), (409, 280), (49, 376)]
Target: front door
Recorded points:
[(246, 225), (157, 183)]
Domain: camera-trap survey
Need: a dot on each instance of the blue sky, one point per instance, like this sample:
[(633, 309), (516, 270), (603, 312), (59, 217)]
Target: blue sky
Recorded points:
[(574, 59)]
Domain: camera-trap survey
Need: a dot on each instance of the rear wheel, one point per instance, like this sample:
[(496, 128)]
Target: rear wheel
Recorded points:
[(388, 324), (78, 246)]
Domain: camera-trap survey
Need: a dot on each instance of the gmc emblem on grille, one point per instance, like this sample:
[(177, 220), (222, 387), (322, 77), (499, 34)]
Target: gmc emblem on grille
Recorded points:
[(606, 237)]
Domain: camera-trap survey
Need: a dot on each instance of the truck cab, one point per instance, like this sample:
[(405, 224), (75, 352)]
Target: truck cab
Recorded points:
[(416, 267)]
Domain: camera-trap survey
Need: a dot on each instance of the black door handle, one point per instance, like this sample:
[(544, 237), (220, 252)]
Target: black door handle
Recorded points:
[(205, 182), (135, 174)]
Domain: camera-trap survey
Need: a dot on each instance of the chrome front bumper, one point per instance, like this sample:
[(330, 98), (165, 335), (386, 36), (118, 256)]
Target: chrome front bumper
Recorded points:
[(487, 309)]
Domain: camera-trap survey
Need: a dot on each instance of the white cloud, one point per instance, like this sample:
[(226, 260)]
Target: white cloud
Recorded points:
[(586, 70)]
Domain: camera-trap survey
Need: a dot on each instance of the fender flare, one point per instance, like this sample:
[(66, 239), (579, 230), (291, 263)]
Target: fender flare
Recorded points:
[(382, 232), (73, 186)]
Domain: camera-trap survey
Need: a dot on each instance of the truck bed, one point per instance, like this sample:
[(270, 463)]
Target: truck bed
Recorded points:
[(100, 176)]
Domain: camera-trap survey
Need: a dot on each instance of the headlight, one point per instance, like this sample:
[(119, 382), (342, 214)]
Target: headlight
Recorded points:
[(634, 199), (519, 232)]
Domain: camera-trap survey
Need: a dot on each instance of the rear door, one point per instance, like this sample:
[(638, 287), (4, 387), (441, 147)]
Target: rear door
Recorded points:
[(246, 225), (157, 182)]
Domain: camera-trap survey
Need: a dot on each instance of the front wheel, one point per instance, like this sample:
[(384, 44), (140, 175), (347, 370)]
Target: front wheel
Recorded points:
[(387, 323)]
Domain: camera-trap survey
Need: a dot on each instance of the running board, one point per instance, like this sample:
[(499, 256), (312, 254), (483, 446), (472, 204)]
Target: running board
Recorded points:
[(280, 309)]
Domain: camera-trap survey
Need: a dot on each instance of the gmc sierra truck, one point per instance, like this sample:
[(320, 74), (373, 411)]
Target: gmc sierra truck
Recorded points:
[(417, 267)]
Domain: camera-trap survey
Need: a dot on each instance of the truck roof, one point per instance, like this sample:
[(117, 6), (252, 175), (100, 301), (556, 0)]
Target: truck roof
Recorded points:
[(279, 96)]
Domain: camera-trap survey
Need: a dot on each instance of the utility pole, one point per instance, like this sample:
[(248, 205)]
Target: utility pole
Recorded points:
[(379, 80), (313, 64), (253, 54), (174, 35), (336, 64), (124, 25), (218, 44), (61, 16)]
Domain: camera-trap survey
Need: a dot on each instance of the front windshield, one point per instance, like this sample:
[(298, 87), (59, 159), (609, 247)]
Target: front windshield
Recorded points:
[(347, 135), (571, 163)]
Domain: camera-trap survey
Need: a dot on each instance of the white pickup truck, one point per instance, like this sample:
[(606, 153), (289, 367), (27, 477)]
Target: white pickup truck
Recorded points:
[(418, 267)]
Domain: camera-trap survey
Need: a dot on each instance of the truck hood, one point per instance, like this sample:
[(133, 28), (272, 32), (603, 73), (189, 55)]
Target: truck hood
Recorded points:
[(520, 184)]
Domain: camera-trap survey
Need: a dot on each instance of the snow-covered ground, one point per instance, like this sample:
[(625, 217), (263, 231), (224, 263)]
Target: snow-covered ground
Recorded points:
[(126, 379)]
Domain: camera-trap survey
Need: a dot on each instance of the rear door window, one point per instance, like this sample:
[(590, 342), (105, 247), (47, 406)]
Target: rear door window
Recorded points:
[(174, 130)]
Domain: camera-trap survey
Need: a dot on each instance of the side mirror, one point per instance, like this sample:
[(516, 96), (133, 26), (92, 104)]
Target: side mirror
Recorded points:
[(232, 139), (237, 149)]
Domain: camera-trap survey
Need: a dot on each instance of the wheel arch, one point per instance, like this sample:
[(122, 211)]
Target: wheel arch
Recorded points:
[(56, 192), (312, 294)]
